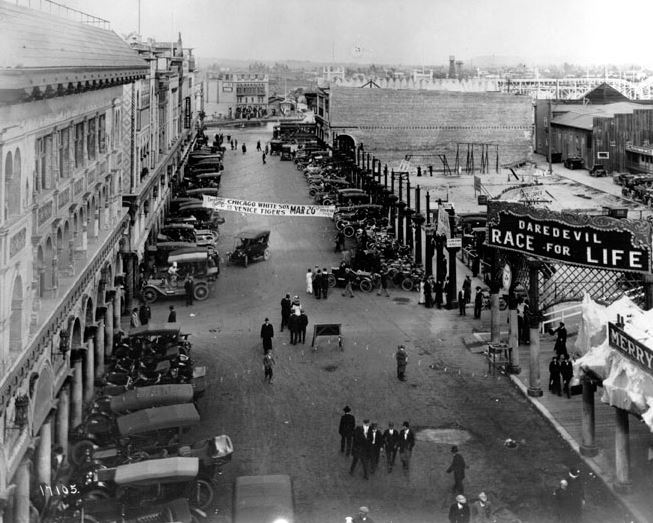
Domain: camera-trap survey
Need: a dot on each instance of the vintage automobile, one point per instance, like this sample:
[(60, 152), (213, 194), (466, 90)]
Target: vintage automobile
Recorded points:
[(146, 397), (147, 429), (286, 152), (97, 509), (210, 180), (201, 217), (208, 238), (250, 245), (275, 147), (195, 261), (598, 170), (263, 499), (349, 197), (177, 232), (199, 193), (574, 162), (152, 481)]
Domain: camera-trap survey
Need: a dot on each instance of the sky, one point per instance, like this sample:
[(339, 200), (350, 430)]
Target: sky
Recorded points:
[(393, 31)]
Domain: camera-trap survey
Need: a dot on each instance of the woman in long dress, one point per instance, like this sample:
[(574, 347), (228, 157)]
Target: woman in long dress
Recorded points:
[(309, 282), (421, 292)]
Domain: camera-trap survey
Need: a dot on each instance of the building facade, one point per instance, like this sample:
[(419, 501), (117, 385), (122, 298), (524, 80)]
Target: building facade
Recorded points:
[(237, 95), (80, 125)]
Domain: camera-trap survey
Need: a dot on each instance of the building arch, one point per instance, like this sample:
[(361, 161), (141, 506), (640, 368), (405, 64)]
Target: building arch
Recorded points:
[(76, 336), (66, 234), (347, 143), (16, 316), (89, 313)]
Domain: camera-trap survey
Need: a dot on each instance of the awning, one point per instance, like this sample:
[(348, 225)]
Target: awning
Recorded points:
[(626, 385)]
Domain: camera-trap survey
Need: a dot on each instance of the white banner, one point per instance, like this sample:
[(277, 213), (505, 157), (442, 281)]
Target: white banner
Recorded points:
[(268, 208)]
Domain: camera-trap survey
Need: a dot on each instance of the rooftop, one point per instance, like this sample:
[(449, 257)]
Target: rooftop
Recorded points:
[(33, 39)]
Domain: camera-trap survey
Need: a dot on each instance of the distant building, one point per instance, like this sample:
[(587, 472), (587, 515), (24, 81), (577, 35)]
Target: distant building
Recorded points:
[(603, 127), (422, 76), (237, 95), (331, 74)]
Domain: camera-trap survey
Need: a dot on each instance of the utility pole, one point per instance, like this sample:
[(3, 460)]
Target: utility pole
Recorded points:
[(549, 136)]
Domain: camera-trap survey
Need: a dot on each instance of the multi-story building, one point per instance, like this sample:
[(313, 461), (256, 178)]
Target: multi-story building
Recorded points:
[(87, 125), (237, 95)]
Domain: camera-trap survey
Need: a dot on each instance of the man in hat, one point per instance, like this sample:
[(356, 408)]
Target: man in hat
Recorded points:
[(406, 444), (285, 311), (361, 448), (458, 467), (576, 493), (325, 283), (346, 430), (189, 287), (391, 444), (267, 333), (172, 315), (376, 443), (478, 303), (268, 362), (363, 516), (317, 283), (459, 511), (481, 509), (303, 324), (402, 362)]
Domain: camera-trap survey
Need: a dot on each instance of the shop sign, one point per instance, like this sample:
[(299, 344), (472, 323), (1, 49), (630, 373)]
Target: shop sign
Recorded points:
[(601, 242), (187, 113), (45, 213), (17, 242), (454, 243), (629, 347), (443, 225)]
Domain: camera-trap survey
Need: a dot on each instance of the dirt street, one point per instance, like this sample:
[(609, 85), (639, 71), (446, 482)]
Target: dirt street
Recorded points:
[(291, 425)]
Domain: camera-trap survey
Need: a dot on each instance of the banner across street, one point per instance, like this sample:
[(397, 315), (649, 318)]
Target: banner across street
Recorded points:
[(268, 208)]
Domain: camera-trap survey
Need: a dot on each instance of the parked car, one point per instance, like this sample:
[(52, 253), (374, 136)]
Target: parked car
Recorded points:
[(598, 170), (574, 162)]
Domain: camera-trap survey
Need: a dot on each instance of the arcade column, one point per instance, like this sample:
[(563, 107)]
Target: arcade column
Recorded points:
[(44, 453), (99, 344), (534, 382), (63, 419), (78, 381), (401, 206), (21, 494), (108, 327), (495, 309), (452, 292), (588, 424), (513, 337), (622, 451)]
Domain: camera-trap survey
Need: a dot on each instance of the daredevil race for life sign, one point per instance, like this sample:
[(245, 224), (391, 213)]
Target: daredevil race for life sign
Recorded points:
[(268, 208), (592, 241)]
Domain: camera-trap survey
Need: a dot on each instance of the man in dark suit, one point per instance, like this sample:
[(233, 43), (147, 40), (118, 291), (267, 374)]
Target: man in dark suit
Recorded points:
[(458, 467), (391, 444), (361, 450), (406, 444), (285, 311), (172, 316), (376, 443), (303, 323), (325, 283), (459, 511), (346, 431), (267, 333)]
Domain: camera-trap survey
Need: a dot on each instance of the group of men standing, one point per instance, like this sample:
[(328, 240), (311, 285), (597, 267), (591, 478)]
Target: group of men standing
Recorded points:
[(317, 283), (294, 317), (365, 443)]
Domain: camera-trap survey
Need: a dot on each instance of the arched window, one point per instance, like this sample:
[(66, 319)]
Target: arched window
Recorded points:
[(12, 186)]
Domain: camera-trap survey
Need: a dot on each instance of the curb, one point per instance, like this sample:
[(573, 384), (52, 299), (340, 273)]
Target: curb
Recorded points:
[(626, 504)]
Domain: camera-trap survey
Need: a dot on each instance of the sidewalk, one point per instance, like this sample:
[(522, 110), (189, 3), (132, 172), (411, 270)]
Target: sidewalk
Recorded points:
[(565, 415)]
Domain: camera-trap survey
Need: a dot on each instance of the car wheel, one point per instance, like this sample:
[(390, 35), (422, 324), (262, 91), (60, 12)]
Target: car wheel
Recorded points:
[(312, 193), (266, 254), (201, 494), (80, 450), (332, 280), (341, 224), (366, 285), (349, 231), (150, 295), (201, 292), (407, 284)]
